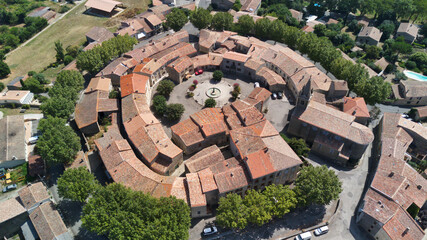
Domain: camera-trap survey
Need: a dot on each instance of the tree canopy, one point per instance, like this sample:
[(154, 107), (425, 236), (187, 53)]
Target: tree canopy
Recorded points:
[(245, 25), (174, 111), (210, 103), (231, 212), (4, 69), (165, 87), (317, 185), (298, 145), (58, 107), (176, 19), (217, 75), (222, 21), (374, 90), (58, 142), (77, 184), (201, 18), (120, 213), (159, 105)]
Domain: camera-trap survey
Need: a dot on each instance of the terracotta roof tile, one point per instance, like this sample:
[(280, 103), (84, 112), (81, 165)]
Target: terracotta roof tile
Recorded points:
[(32, 194), (86, 112), (180, 64), (47, 222), (197, 198), (355, 106), (207, 180), (238, 57), (259, 164), (260, 94), (231, 179), (133, 83), (204, 158), (10, 209)]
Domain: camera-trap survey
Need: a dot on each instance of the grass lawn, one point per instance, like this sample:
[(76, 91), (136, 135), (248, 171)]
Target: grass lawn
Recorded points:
[(70, 30), (15, 111)]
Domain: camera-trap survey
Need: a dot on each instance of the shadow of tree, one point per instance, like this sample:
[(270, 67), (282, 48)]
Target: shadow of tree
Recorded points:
[(85, 234), (71, 211)]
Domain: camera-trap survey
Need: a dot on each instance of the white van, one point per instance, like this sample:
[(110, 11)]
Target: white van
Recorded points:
[(304, 236), (33, 140)]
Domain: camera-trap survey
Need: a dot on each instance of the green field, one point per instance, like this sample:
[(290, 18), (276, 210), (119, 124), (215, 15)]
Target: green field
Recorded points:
[(70, 30)]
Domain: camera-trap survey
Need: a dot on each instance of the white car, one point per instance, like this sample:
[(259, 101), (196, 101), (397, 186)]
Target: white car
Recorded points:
[(210, 230), (321, 230), (303, 236)]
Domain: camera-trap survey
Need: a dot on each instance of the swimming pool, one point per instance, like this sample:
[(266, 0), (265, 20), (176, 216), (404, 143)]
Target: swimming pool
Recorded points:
[(415, 76)]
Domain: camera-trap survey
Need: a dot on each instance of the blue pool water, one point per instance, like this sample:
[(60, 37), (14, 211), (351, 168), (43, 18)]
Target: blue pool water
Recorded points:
[(415, 76)]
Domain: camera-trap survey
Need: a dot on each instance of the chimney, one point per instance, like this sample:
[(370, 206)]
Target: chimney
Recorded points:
[(419, 187), (406, 230), (407, 186), (231, 174), (391, 174), (265, 149)]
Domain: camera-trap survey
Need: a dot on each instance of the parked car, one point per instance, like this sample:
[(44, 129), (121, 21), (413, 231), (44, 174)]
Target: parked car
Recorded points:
[(9, 188), (304, 236), (273, 96), (33, 140), (321, 230), (256, 84), (279, 95), (209, 230), (200, 71)]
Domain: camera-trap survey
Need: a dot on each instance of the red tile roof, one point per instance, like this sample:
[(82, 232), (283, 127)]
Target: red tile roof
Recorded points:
[(47, 222), (86, 112), (356, 106), (207, 180), (260, 94), (32, 194), (133, 83), (197, 197), (204, 158), (231, 179), (259, 164)]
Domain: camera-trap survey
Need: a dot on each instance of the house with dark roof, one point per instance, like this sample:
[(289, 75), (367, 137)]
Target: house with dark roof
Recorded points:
[(98, 35), (410, 93), (408, 31), (369, 35), (15, 84), (421, 113), (12, 141), (13, 216)]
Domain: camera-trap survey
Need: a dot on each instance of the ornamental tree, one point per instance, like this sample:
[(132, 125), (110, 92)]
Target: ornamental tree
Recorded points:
[(201, 18), (210, 103), (317, 185), (217, 75), (174, 111), (77, 184), (165, 87), (231, 212), (176, 19)]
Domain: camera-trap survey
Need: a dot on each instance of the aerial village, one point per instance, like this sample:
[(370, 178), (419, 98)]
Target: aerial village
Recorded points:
[(192, 123)]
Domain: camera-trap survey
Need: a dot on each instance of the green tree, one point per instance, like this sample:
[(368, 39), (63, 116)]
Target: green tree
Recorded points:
[(174, 111), (258, 207), (58, 142), (1, 86), (72, 79), (33, 85), (73, 50), (237, 5), (401, 47), (210, 103), (277, 27), (201, 18), (281, 199), (298, 145), (231, 212), (245, 25), (374, 90), (176, 19), (165, 87), (222, 21), (317, 185), (420, 58), (404, 8), (159, 104), (4, 69), (58, 107), (217, 75), (387, 27), (58, 91), (77, 184), (291, 36), (372, 52), (262, 28), (121, 213), (59, 51)]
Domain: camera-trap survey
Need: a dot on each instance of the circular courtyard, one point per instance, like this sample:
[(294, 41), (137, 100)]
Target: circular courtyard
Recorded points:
[(220, 91)]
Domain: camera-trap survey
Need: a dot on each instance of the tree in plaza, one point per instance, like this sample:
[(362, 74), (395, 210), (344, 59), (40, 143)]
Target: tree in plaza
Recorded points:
[(210, 103), (245, 24), (281, 199), (165, 87), (258, 207), (159, 104), (4, 69), (59, 51), (222, 21), (174, 111), (217, 75), (121, 213), (176, 19), (231, 212), (317, 185), (58, 142), (201, 18), (374, 90), (262, 27), (77, 184)]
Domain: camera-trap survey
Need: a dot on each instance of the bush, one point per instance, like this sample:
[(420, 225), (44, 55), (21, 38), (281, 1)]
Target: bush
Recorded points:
[(174, 111), (165, 87), (64, 9), (195, 82), (217, 75), (25, 106), (400, 76), (68, 59), (210, 103), (1, 86), (190, 94), (4, 69), (114, 94), (410, 65)]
